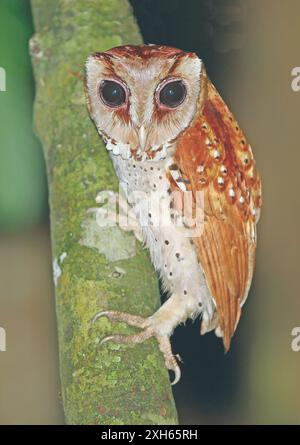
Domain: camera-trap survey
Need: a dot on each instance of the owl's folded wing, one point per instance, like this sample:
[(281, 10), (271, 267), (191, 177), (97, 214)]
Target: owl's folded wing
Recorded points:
[(214, 157)]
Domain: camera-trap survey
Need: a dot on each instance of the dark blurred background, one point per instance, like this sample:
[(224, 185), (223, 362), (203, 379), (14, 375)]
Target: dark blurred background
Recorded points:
[(250, 48)]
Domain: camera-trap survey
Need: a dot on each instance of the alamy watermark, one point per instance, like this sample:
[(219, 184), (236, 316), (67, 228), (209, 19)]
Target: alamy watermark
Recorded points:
[(296, 79), (2, 79), (163, 209), (2, 340), (295, 344)]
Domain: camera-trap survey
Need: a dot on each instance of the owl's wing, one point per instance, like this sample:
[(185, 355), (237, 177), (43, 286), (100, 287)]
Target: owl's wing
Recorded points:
[(213, 156)]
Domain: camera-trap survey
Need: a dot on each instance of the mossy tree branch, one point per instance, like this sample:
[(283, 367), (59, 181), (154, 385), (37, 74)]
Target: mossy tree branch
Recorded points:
[(112, 384)]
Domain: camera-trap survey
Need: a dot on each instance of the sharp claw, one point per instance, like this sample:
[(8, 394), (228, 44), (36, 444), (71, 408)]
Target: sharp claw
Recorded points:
[(106, 339), (179, 358), (177, 373), (99, 315)]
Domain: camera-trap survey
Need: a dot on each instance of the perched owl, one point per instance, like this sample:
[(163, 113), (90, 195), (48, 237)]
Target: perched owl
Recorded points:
[(168, 130)]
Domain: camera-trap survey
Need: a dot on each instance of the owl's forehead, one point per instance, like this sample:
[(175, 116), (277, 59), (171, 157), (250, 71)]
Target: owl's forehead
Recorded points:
[(146, 62), (135, 68)]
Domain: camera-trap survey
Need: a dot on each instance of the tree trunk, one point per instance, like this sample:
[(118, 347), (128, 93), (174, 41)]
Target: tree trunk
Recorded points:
[(94, 269)]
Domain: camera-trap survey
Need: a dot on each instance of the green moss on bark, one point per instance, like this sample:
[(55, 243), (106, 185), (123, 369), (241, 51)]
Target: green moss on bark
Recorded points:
[(113, 384)]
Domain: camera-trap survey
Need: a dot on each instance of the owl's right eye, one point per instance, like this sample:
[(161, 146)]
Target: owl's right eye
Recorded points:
[(112, 93)]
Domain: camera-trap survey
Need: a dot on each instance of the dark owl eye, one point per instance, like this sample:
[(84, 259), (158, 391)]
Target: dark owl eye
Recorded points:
[(112, 93), (172, 94)]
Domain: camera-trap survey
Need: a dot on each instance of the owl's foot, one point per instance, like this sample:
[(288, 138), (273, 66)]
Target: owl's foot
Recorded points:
[(150, 329)]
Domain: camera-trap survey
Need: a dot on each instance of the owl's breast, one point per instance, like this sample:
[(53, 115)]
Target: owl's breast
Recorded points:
[(146, 186)]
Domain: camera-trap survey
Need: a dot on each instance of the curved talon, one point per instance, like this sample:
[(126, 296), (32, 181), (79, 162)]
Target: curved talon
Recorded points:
[(178, 358), (177, 373), (99, 315), (170, 359), (106, 339)]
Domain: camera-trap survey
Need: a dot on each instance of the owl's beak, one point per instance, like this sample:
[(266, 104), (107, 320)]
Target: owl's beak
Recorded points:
[(142, 135)]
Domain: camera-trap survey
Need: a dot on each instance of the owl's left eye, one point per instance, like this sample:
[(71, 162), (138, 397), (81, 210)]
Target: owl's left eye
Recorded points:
[(112, 93), (172, 94)]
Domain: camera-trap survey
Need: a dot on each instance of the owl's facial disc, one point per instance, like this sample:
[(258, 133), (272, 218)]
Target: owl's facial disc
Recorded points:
[(143, 96)]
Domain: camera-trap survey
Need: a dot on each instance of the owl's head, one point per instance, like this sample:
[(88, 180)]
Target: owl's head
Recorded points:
[(144, 96)]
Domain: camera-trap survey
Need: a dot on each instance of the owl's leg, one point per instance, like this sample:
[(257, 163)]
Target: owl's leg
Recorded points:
[(160, 325)]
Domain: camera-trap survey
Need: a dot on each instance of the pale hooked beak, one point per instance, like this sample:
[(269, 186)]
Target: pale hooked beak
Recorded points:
[(142, 135)]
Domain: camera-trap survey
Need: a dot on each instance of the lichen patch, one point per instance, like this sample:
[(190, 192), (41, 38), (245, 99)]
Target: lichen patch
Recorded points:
[(112, 242)]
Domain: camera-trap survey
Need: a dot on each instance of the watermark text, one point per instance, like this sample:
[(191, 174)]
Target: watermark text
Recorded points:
[(295, 345), (165, 210), (2, 79), (2, 340), (296, 79)]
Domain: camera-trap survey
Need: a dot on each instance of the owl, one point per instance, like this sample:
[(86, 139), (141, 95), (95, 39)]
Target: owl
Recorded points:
[(169, 133)]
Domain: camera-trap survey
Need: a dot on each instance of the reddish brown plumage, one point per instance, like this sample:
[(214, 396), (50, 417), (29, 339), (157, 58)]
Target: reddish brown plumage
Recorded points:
[(215, 157), (143, 51)]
